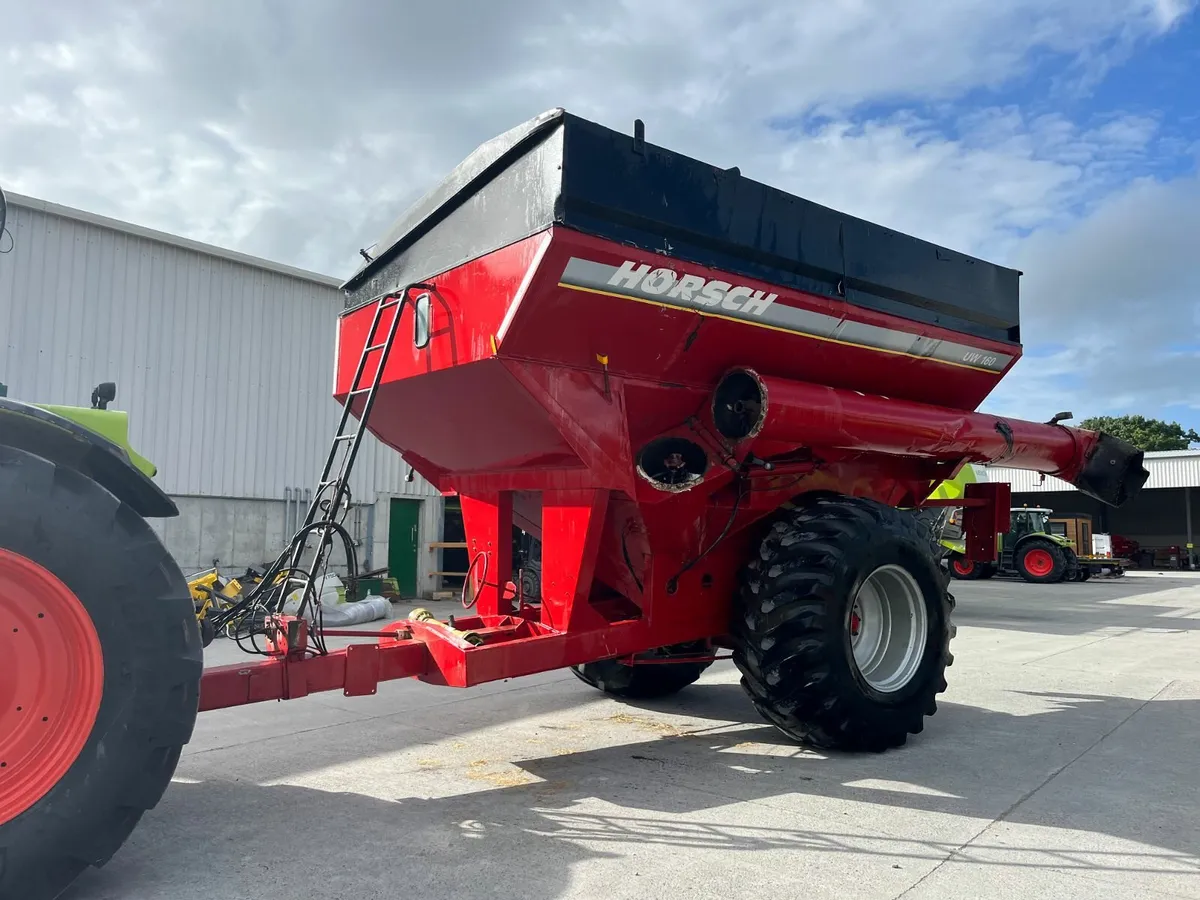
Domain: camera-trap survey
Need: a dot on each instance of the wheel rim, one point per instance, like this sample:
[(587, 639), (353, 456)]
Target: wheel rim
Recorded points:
[(47, 711), (964, 567), (1039, 562), (888, 629)]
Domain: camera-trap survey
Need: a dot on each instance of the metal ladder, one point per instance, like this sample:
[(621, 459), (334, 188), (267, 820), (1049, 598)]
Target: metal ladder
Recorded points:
[(333, 489)]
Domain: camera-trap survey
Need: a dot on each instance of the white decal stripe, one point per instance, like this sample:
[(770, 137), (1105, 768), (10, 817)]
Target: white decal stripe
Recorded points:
[(534, 265), (623, 282)]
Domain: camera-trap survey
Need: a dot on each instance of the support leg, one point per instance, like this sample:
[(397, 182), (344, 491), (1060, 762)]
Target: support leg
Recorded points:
[(1189, 550), (572, 526), (488, 521)]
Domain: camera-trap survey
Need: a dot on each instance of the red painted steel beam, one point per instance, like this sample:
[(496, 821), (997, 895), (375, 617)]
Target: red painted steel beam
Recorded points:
[(828, 417), (748, 406), (435, 654), (357, 670)]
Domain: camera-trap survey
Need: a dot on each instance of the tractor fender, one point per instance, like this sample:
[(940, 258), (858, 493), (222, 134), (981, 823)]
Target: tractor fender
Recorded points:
[(67, 443), (1056, 539)]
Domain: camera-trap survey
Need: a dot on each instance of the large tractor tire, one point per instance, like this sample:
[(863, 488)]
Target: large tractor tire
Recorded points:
[(1040, 561), (100, 673), (843, 626), (647, 681), (966, 569)]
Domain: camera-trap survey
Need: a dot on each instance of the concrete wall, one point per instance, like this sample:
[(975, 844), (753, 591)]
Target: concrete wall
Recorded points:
[(232, 534), (236, 534)]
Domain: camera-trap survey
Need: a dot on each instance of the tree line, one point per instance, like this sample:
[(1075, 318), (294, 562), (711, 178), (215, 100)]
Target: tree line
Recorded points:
[(1144, 433)]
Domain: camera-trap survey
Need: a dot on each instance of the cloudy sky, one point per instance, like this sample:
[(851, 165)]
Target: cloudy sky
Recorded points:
[(1057, 136)]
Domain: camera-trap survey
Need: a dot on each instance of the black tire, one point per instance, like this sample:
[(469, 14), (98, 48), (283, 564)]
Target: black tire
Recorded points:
[(1074, 569), (207, 633), (1059, 569), (531, 584), (645, 682), (965, 569), (793, 643), (143, 614)]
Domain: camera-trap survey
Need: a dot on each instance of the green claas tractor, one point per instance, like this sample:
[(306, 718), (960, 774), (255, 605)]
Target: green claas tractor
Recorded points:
[(100, 655), (110, 424), (1027, 549)]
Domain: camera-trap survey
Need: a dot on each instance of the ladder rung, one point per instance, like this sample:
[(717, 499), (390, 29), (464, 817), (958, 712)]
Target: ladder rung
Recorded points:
[(389, 303), (359, 391), (373, 347), (345, 437)]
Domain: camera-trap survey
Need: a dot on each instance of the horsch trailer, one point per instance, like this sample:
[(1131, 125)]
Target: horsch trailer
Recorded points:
[(721, 408)]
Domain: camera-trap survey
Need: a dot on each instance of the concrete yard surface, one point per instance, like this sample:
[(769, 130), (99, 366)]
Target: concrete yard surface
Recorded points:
[(1062, 764)]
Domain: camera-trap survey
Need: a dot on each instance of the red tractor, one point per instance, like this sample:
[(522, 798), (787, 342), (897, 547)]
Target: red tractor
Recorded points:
[(718, 407)]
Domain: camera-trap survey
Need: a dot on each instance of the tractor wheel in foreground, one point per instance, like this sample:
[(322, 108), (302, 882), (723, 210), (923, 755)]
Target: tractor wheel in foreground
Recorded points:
[(649, 680), (102, 657), (1041, 562), (965, 569), (843, 626)]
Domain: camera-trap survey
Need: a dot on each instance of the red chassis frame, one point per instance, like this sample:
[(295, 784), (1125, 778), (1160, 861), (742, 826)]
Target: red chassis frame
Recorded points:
[(532, 364), (503, 639), (486, 647)]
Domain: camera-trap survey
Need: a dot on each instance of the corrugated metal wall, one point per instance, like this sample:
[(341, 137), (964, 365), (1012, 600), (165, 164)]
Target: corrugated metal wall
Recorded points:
[(1174, 469), (1168, 469), (225, 368)]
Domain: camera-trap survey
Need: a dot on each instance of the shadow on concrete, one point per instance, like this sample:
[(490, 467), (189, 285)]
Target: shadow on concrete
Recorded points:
[(1144, 787), (1073, 608), (678, 791)]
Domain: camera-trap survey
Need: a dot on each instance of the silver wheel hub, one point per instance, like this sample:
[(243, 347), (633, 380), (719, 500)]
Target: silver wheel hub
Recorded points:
[(889, 628)]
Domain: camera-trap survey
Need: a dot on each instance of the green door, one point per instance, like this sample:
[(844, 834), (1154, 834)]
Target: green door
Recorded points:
[(403, 533)]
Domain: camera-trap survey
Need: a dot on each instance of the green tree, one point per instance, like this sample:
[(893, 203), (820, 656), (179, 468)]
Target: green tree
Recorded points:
[(1143, 433)]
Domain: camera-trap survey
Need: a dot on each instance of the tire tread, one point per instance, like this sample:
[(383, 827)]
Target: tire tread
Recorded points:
[(786, 650), (143, 612)]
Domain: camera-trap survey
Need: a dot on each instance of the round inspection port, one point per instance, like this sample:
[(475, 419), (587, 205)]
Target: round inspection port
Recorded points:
[(739, 405), (672, 463), (48, 708)]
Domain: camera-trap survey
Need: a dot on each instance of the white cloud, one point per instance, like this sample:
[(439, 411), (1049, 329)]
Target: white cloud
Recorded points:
[(299, 130), (1119, 291)]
